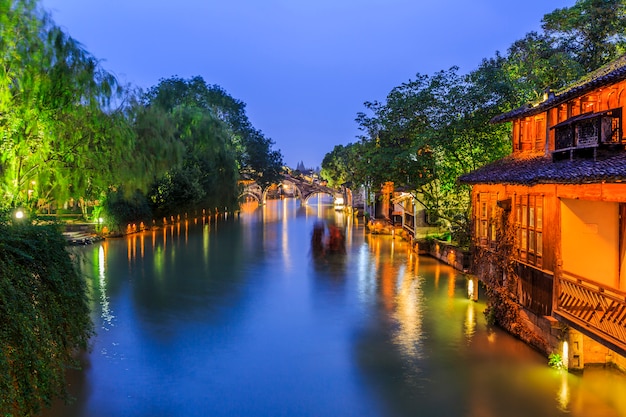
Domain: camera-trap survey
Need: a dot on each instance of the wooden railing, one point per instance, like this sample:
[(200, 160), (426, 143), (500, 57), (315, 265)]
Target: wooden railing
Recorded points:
[(535, 292), (409, 223), (594, 307)]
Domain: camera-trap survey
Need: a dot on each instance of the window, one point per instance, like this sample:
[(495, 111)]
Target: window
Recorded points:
[(485, 220), (483, 215), (529, 223), (540, 133)]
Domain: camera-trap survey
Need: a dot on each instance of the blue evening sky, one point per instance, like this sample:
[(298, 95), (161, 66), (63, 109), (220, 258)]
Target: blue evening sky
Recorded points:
[(304, 68)]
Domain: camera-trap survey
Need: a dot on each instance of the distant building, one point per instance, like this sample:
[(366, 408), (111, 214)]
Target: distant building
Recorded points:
[(562, 193)]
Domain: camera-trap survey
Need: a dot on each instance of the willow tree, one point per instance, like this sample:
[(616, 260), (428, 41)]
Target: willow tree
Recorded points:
[(208, 175), (256, 159), (60, 136)]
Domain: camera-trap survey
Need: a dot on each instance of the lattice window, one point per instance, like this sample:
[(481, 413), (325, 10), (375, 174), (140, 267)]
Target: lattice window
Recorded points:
[(529, 224), (587, 133)]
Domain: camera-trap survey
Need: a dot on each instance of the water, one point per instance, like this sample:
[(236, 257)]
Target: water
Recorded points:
[(237, 318)]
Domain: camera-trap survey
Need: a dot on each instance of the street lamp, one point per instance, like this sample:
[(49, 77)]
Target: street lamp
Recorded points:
[(19, 214)]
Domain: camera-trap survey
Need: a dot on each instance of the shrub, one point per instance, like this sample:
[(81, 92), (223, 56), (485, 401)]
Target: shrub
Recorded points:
[(44, 316)]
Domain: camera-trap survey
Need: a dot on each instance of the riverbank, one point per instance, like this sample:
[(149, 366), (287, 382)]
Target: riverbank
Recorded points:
[(572, 347)]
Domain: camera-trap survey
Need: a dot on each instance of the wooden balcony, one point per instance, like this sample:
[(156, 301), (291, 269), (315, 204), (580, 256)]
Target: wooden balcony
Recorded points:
[(593, 309), (587, 132)]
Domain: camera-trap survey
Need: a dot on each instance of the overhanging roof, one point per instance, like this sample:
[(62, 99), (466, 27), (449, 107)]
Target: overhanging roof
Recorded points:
[(581, 117), (540, 169)]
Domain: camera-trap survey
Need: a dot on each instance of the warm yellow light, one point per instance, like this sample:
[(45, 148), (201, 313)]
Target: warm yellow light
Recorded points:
[(565, 356)]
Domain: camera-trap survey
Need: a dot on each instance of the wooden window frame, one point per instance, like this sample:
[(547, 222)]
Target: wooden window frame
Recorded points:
[(529, 212)]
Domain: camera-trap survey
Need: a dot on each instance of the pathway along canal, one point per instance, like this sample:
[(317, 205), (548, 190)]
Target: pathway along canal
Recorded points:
[(236, 318)]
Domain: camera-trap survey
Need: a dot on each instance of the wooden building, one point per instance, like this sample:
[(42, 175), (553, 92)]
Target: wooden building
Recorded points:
[(562, 195)]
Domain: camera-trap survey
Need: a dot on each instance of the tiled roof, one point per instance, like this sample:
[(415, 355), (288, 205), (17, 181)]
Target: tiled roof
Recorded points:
[(541, 170), (608, 74)]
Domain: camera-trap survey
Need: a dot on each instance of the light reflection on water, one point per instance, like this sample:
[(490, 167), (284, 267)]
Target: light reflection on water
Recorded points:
[(237, 318)]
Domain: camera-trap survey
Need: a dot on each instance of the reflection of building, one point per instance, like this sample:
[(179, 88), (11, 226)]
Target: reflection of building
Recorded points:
[(399, 208), (562, 196)]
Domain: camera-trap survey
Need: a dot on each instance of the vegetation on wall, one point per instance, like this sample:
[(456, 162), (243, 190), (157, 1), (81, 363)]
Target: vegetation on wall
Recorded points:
[(497, 268)]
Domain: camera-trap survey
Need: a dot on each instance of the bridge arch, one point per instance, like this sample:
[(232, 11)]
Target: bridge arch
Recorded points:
[(308, 197), (301, 189), (297, 189), (252, 189)]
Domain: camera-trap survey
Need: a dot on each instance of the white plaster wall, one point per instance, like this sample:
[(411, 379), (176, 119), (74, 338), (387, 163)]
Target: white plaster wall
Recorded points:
[(589, 239)]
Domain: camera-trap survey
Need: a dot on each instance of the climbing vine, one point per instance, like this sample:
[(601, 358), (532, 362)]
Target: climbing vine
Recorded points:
[(497, 267)]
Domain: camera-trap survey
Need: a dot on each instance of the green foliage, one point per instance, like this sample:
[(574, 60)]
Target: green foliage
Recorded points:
[(535, 64), (251, 149), (44, 314), (157, 148), (430, 131), (555, 361), (497, 267), (219, 144), (444, 236), (592, 31), (341, 166), (119, 209), (433, 129), (575, 40), (59, 136)]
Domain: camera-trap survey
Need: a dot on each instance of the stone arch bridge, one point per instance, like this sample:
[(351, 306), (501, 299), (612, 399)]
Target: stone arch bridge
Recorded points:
[(301, 188)]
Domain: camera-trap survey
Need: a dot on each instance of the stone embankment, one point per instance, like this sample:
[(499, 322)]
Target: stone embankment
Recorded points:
[(80, 234)]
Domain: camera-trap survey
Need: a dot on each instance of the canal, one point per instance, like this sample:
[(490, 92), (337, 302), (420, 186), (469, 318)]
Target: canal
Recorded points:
[(237, 318)]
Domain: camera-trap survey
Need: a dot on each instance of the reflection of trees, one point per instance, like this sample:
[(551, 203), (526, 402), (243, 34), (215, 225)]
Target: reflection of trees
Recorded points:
[(177, 271)]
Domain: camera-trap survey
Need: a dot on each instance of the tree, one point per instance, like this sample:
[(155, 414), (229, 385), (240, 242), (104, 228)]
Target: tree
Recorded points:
[(59, 136), (253, 151), (431, 130), (157, 149), (335, 166), (594, 31), (208, 175), (536, 65)]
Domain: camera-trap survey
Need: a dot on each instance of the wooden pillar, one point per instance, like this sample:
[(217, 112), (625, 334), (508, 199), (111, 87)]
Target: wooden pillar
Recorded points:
[(622, 247)]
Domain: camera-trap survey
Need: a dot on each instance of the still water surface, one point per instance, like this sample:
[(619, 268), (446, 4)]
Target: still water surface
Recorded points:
[(237, 318)]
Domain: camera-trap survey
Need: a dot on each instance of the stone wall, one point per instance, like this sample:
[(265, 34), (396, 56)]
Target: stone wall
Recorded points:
[(450, 254)]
